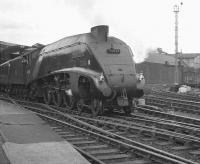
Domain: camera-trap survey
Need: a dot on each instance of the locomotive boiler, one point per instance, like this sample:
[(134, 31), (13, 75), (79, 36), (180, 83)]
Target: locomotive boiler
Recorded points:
[(89, 71)]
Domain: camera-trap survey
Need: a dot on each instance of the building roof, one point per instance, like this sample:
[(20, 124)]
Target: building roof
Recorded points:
[(158, 56), (161, 58)]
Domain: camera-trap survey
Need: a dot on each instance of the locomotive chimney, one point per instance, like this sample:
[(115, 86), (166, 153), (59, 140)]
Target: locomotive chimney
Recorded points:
[(100, 32)]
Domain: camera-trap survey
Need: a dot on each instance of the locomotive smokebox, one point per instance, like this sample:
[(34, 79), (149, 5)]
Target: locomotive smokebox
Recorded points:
[(100, 32)]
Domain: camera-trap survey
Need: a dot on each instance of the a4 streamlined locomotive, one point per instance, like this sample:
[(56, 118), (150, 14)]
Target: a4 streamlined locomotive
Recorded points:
[(87, 71)]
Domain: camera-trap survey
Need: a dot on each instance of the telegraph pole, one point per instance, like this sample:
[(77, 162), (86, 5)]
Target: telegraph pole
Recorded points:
[(176, 73)]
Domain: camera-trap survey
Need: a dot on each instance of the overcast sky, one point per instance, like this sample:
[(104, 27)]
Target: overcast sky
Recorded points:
[(142, 24)]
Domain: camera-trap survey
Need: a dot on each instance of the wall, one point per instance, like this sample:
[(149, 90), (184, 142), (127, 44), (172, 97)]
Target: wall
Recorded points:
[(156, 73)]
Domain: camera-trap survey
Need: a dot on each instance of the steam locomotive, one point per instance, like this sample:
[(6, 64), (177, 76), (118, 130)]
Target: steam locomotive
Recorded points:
[(89, 71)]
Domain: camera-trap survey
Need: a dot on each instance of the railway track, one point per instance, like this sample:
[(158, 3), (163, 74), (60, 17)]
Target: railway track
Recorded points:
[(155, 113), (178, 100), (91, 141), (162, 139), (176, 95), (143, 114), (183, 145), (177, 105), (137, 119)]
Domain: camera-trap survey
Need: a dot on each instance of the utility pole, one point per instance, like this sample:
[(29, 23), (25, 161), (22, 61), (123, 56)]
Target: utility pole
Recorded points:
[(176, 72)]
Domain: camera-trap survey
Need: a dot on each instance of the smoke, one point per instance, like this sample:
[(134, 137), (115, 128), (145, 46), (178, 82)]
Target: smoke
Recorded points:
[(89, 10), (152, 50), (13, 25), (85, 6), (98, 19)]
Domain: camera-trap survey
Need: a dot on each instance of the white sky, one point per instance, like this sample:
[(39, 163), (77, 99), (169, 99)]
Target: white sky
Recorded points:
[(142, 24)]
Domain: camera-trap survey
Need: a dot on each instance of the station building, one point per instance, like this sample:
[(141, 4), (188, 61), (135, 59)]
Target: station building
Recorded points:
[(159, 67)]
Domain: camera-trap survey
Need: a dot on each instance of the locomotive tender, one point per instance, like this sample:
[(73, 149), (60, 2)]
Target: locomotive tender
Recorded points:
[(88, 71)]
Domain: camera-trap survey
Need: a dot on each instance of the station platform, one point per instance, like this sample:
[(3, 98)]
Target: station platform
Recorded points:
[(27, 139)]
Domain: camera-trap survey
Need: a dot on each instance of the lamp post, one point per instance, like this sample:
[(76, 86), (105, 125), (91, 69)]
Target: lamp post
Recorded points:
[(176, 73)]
